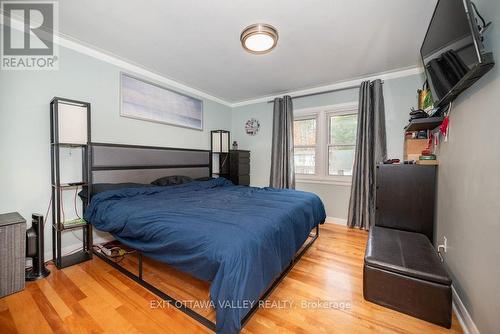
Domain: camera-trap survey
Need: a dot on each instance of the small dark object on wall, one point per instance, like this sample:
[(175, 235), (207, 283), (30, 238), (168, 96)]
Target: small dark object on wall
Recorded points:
[(235, 145)]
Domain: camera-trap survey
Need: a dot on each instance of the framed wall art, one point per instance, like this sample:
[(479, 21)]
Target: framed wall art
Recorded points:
[(148, 101)]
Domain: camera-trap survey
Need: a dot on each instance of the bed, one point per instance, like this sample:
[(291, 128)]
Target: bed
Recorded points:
[(240, 239)]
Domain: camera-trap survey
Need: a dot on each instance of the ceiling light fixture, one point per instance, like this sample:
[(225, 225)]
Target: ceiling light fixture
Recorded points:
[(259, 38)]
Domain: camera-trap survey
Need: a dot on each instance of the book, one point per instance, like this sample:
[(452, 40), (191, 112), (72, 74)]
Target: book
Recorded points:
[(74, 222)]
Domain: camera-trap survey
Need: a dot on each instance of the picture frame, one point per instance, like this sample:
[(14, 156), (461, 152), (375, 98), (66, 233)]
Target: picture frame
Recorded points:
[(147, 101)]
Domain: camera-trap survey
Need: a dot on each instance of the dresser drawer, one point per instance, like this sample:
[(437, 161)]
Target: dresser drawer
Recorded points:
[(240, 167), (242, 154), (243, 169), (240, 160)]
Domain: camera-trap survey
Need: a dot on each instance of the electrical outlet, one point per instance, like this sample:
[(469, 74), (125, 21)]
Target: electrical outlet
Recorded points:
[(444, 246)]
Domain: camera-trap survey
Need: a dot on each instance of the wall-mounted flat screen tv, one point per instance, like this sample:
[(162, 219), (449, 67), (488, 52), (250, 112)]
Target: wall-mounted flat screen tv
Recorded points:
[(452, 52)]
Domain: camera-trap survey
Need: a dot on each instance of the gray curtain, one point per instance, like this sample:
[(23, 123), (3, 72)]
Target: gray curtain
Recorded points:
[(282, 165), (371, 149)]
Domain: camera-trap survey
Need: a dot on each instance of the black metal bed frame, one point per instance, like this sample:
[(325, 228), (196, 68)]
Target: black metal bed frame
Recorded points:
[(139, 277)]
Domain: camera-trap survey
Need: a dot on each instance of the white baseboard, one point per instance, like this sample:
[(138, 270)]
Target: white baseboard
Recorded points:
[(336, 221), (73, 247), (464, 318)]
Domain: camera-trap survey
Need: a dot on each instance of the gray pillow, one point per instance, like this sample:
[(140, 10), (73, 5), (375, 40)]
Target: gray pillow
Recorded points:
[(171, 180), (101, 187)]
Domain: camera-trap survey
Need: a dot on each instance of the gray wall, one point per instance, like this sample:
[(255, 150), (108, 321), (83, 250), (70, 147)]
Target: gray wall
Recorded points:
[(24, 128), (400, 95), (468, 212)]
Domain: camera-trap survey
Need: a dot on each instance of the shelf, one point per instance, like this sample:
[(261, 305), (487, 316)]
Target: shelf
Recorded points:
[(420, 124), (61, 142), (72, 259), (68, 144), (70, 185), (67, 228)]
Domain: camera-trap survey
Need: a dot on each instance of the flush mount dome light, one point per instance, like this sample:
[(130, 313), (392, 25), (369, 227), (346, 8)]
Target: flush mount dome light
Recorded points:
[(259, 38)]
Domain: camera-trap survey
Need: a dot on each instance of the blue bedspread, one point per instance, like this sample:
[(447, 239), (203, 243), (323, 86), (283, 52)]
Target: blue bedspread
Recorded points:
[(238, 238)]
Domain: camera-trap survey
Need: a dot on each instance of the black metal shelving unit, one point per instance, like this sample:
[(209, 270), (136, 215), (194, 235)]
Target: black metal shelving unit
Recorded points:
[(223, 152), (58, 227)]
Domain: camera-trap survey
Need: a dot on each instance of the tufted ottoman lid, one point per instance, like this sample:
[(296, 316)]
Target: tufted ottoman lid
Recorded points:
[(406, 253)]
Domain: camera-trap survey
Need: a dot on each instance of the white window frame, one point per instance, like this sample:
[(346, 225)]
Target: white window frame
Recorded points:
[(303, 118), (322, 115)]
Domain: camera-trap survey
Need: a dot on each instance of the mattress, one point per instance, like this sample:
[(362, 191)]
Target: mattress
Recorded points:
[(238, 238)]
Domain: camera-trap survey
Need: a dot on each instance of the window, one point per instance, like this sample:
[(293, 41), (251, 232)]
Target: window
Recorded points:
[(304, 138), (341, 144), (325, 143)]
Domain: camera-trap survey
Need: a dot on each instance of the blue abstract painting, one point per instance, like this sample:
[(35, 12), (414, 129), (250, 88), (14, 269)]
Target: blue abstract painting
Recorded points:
[(150, 102)]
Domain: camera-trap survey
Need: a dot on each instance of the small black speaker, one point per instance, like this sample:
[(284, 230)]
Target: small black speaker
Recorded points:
[(35, 249)]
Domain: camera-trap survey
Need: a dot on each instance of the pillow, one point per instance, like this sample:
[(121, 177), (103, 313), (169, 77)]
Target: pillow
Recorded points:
[(101, 187), (171, 180)]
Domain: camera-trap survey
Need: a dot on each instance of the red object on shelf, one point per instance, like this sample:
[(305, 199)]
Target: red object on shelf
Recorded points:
[(443, 128)]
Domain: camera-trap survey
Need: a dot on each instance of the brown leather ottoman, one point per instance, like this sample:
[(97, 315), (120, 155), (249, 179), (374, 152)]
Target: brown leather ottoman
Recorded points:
[(403, 272)]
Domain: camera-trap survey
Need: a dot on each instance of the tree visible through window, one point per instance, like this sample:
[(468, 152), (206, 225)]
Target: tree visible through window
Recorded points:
[(341, 144), (304, 138), (325, 142)]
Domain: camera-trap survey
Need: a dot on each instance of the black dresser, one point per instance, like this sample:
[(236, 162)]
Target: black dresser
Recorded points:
[(405, 198), (240, 167)]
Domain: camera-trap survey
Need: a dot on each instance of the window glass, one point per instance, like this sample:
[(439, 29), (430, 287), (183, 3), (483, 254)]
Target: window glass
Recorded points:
[(304, 132), (305, 160), (325, 143), (342, 144), (340, 160), (343, 129)]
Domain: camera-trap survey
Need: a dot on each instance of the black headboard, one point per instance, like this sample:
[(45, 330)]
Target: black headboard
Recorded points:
[(117, 163)]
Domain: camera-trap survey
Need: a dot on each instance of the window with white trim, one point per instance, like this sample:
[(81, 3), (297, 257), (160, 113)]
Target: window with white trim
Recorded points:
[(341, 143), (304, 139), (325, 143)]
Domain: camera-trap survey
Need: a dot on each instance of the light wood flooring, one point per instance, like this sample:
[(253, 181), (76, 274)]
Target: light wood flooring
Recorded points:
[(93, 297)]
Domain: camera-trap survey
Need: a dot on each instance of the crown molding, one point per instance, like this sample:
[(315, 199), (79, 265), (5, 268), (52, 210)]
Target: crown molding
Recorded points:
[(108, 57), (394, 74), (90, 50)]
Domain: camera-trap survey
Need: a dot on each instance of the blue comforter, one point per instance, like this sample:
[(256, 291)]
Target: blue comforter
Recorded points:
[(238, 238)]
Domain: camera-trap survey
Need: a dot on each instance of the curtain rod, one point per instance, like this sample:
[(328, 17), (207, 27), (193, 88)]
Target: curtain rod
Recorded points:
[(323, 92)]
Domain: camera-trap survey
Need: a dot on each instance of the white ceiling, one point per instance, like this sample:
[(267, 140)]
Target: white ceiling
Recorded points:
[(196, 42)]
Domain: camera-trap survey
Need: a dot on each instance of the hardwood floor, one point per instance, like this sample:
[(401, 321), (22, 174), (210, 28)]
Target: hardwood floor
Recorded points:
[(95, 298)]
